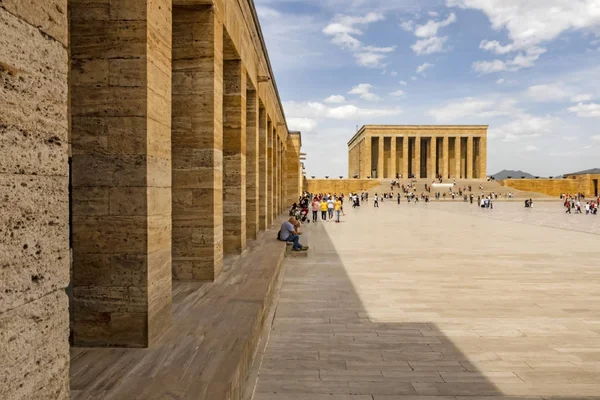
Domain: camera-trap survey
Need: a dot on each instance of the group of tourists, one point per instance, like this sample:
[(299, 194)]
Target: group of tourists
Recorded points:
[(575, 204)]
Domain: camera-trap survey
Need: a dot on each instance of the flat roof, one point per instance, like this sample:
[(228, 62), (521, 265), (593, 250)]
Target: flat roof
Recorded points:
[(424, 127)]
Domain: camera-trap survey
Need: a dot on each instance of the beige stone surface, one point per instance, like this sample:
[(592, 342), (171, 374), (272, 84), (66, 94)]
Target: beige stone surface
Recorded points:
[(499, 304), (197, 145), (586, 184), (121, 133), (234, 156), (206, 352), (339, 185), (34, 225), (34, 349)]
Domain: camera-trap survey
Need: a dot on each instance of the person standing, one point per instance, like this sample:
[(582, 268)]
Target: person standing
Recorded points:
[(315, 209), (376, 201), (323, 210), (338, 209), (399, 196), (330, 206)]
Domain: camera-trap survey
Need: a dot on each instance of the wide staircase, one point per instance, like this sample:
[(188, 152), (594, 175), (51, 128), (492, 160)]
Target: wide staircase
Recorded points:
[(487, 188)]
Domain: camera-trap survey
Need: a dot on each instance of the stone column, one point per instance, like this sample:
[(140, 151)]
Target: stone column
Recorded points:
[(234, 156), (368, 157), (405, 159), (457, 156), (393, 159), (252, 170), (432, 158), (270, 174), (483, 157), (262, 168), (469, 157), (121, 172), (276, 175), (417, 157), (380, 158), (445, 156), (197, 144), (34, 198)]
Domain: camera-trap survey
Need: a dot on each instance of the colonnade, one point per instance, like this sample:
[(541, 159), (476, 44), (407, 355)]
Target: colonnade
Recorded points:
[(418, 156), (180, 157)]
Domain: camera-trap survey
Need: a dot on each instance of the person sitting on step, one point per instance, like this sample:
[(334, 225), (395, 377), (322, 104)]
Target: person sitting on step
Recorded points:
[(289, 233)]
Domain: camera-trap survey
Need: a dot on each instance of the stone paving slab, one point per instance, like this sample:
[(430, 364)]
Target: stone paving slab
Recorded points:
[(439, 302)]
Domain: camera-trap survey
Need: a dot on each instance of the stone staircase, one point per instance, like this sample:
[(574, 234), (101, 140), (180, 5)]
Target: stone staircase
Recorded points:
[(488, 187)]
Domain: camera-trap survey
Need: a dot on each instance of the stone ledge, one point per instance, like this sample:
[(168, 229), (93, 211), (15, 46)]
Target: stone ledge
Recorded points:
[(208, 351)]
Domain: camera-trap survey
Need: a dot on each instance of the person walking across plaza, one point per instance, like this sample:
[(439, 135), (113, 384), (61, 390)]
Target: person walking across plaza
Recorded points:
[(323, 210), (376, 201)]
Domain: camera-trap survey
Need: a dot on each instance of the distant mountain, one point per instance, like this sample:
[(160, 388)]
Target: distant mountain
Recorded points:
[(587, 171), (504, 174)]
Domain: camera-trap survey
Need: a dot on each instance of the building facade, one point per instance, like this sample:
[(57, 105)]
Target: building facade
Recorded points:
[(143, 141), (419, 151)]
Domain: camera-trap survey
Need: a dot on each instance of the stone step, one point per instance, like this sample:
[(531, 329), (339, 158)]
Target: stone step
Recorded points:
[(290, 253)]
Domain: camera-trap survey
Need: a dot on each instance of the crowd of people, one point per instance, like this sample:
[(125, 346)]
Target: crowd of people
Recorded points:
[(574, 204), (330, 207)]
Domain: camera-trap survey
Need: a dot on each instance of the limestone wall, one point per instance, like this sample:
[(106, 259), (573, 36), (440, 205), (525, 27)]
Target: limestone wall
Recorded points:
[(339, 185), (34, 244), (554, 187)]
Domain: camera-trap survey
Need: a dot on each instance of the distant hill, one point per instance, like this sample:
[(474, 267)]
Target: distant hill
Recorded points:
[(587, 171), (504, 174)]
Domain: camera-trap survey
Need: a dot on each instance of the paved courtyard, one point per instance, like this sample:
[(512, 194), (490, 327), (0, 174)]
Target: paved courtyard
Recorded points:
[(440, 302)]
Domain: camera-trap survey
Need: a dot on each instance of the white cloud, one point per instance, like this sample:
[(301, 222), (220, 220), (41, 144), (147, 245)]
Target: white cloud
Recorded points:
[(473, 107), (532, 23), (424, 67), (335, 99), (343, 31), (589, 110), (595, 138), (496, 47), (398, 93), (302, 124), (408, 26), (431, 27), (413, 78), (433, 13), (520, 61), (316, 111), (364, 91), (403, 83), (434, 44), (527, 126), (372, 60), (267, 12), (531, 148), (429, 42), (549, 92), (581, 98), (500, 81), (393, 73)]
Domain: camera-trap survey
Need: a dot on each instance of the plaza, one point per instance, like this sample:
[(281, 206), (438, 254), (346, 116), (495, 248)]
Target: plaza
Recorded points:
[(439, 301)]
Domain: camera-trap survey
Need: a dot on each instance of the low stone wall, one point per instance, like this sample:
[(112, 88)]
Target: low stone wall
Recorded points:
[(552, 187), (339, 185)]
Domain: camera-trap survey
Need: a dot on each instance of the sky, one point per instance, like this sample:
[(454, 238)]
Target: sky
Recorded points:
[(530, 69)]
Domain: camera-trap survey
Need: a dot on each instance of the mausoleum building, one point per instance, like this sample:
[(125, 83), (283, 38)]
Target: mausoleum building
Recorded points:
[(419, 151)]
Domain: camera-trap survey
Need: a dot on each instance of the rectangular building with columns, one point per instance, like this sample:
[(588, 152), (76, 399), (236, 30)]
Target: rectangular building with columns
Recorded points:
[(419, 151)]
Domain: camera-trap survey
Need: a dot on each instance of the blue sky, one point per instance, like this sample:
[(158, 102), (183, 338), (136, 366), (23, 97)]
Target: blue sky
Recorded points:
[(528, 68)]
